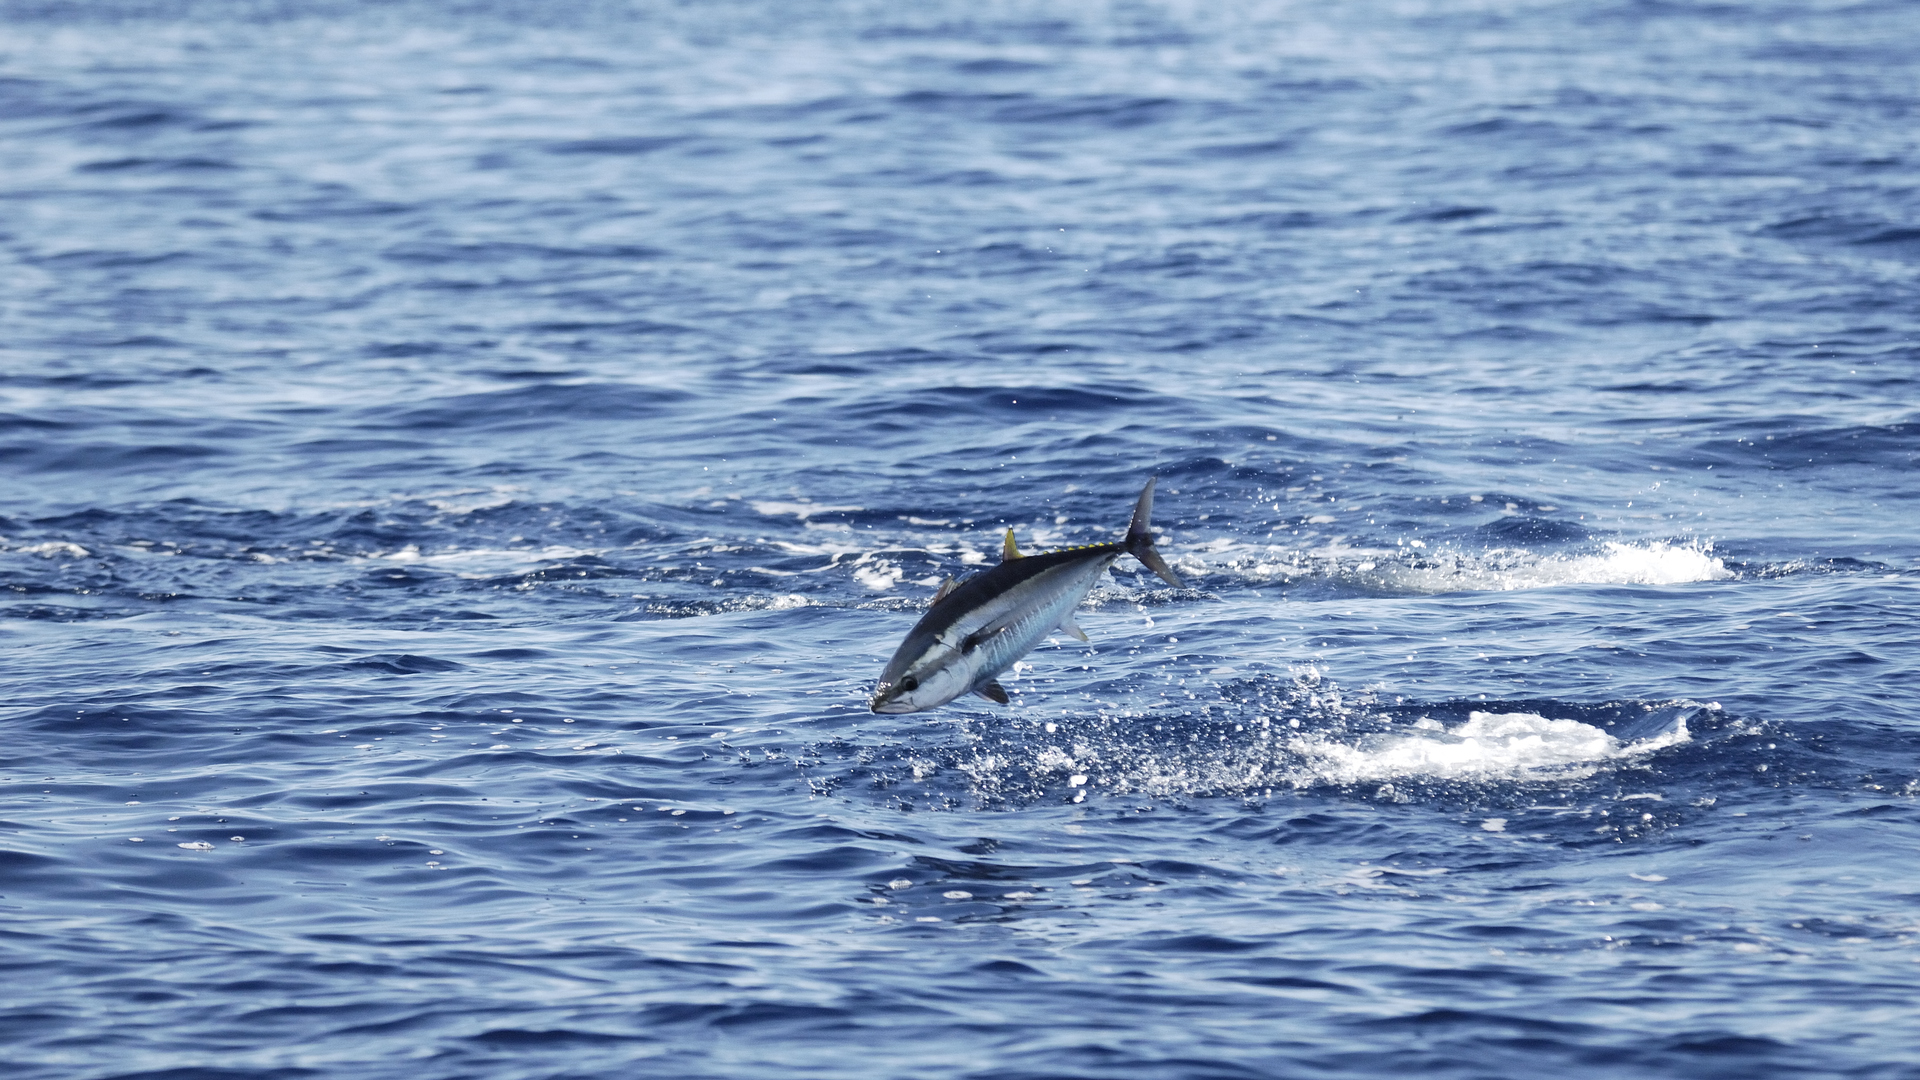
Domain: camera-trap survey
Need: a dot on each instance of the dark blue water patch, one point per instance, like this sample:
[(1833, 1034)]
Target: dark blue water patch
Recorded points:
[(1247, 150), (155, 165), (402, 664), (1902, 237), (783, 114), (625, 146), (132, 116), (475, 253), (337, 204), (963, 103), (74, 379), (404, 349), (1530, 531), (1776, 447), (1450, 213), (106, 458), (999, 66), (1099, 111), (107, 259), (1006, 404), (596, 330), (1837, 229), (525, 408), (1761, 569)]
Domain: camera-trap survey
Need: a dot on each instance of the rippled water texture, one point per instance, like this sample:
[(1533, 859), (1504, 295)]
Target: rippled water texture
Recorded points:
[(464, 467)]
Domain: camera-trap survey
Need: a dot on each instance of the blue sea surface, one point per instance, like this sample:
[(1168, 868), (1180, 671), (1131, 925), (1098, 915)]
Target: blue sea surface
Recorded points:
[(463, 465)]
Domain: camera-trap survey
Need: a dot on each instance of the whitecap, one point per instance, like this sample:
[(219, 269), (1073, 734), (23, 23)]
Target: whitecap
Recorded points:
[(53, 549), (1423, 571), (1488, 746), (801, 510)]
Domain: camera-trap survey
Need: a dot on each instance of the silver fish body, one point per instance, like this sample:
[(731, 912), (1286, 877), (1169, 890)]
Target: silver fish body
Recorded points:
[(977, 629)]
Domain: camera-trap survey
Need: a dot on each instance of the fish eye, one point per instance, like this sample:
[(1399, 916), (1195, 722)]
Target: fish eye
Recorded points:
[(909, 684)]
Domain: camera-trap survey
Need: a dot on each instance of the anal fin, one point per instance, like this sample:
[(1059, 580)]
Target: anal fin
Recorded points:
[(1067, 624), (993, 692)]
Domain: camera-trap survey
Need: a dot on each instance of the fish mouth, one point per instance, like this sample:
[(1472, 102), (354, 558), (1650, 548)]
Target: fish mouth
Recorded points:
[(887, 700)]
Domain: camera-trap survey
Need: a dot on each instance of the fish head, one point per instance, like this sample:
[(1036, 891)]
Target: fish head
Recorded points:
[(928, 680)]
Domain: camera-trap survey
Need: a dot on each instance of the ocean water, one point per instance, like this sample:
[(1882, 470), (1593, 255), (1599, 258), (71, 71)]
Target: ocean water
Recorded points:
[(462, 467)]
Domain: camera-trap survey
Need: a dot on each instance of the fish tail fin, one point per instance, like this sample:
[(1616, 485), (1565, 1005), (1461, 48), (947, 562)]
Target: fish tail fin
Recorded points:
[(1139, 542)]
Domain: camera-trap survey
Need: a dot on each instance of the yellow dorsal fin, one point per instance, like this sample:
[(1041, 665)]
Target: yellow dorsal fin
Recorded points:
[(1009, 550)]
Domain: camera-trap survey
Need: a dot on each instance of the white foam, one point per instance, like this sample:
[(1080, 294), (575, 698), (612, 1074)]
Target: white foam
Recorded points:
[(54, 548), (468, 500), (1653, 563), (878, 575), (762, 602), (782, 602), (1428, 570), (1487, 746), (801, 510), (480, 562)]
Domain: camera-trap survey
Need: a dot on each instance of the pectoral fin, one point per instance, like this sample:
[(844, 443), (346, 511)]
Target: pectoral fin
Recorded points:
[(945, 590), (1008, 550), (993, 692), (977, 638), (1068, 625)]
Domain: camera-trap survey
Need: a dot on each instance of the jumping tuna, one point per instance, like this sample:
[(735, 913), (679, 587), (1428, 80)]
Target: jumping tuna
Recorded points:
[(976, 629)]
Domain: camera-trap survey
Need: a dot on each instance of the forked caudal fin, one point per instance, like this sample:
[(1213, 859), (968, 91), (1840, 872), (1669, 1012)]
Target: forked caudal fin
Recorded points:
[(1139, 541)]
